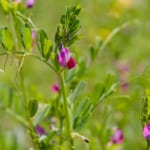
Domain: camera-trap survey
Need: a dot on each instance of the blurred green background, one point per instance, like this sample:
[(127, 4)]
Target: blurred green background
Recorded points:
[(130, 47)]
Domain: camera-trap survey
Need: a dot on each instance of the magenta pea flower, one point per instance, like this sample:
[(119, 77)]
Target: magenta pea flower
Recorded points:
[(30, 3), (71, 63), (117, 137), (65, 60), (54, 88), (146, 132), (39, 130)]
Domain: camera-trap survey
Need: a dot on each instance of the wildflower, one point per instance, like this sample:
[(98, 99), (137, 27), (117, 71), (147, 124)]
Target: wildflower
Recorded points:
[(39, 130), (34, 37), (123, 66), (55, 88), (71, 63), (30, 3), (124, 70), (146, 132), (117, 137), (124, 85), (65, 59)]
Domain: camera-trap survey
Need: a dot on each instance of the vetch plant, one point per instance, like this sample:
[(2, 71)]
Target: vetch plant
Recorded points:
[(71, 107), (145, 117)]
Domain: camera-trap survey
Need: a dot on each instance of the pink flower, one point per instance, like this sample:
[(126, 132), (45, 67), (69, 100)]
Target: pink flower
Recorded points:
[(117, 137), (34, 37), (64, 56), (30, 3), (65, 60), (124, 85), (146, 132), (123, 66), (55, 88), (71, 63)]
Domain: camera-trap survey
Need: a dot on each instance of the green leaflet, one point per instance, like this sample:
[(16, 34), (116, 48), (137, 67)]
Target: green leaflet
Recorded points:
[(78, 90), (6, 39), (33, 107), (26, 37), (42, 114)]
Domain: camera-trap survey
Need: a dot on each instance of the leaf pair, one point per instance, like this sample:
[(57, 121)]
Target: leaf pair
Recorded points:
[(44, 44), (8, 41)]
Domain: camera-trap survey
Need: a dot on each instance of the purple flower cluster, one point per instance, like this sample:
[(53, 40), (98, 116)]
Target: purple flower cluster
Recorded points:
[(65, 59)]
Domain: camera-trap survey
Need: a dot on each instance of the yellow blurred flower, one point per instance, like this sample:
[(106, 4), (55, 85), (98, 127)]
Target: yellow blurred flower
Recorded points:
[(103, 33), (125, 3)]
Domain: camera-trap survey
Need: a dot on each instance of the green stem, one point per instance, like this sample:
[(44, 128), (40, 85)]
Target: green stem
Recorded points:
[(68, 123), (148, 145), (4, 53), (32, 129), (60, 137), (26, 19), (17, 53), (18, 117), (60, 119), (115, 32), (43, 60), (30, 124)]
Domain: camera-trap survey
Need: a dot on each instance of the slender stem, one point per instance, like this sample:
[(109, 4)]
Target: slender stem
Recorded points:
[(61, 136), (17, 53), (68, 123), (5, 62), (27, 19), (4, 53), (18, 117), (148, 145), (43, 60), (32, 130), (60, 119), (114, 32)]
